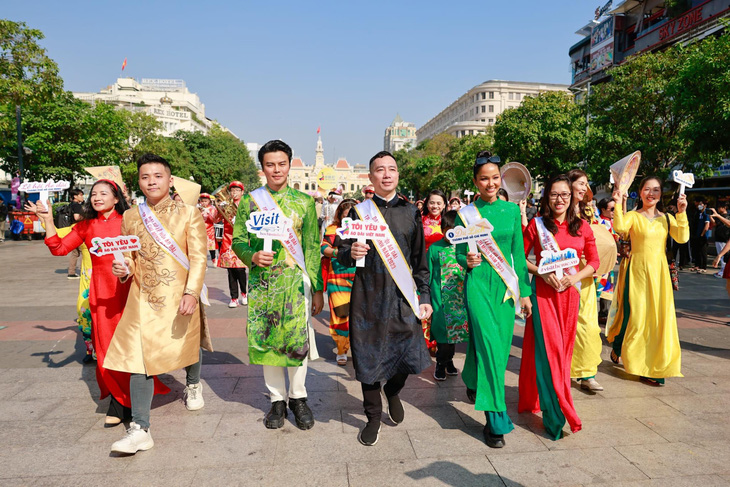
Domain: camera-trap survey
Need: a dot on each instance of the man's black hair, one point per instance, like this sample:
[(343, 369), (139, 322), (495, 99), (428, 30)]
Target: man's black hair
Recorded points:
[(149, 158), (382, 153), (603, 204), (274, 146), (75, 192), (448, 219)]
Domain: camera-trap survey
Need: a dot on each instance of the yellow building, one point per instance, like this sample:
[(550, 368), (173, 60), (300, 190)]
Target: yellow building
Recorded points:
[(322, 177)]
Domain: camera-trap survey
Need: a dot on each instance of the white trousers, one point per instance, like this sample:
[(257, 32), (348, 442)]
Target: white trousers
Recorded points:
[(719, 246), (276, 381)]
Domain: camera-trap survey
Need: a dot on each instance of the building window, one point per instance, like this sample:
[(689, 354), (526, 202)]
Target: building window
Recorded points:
[(306, 174), (352, 187), (491, 95), (484, 95), (491, 120), (296, 185), (306, 186), (511, 96), (517, 96), (491, 108), (484, 109)]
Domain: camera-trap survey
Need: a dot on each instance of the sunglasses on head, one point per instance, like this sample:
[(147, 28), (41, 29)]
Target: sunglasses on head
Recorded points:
[(484, 160)]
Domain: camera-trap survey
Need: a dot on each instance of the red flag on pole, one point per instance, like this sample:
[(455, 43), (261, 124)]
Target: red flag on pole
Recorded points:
[(124, 64), (318, 128)]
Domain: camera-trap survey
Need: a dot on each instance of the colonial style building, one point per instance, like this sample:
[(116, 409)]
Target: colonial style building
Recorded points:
[(399, 134), (478, 108), (168, 100), (321, 177)]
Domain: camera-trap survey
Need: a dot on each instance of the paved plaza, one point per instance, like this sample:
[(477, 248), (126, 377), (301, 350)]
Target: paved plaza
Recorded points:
[(52, 423)]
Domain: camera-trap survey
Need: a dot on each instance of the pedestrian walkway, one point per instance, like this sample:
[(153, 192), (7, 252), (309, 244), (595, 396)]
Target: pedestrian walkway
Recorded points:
[(52, 424)]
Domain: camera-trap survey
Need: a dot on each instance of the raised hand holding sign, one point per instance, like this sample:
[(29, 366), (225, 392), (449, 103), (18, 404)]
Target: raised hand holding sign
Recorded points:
[(557, 261), (471, 234), (115, 245), (268, 226), (362, 231), (684, 179)]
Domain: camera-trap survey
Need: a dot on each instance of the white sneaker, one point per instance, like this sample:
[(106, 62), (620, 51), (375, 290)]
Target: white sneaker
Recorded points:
[(233, 304), (243, 300), (718, 275), (135, 440), (591, 385), (193, 397), (342, 359)]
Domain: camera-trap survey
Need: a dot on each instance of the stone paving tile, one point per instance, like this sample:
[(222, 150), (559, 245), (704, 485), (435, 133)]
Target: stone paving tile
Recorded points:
[(710, 368), (39, 460), (321, 475), (75, 389), (77, 407), (341, 448), (462, 471), (13, 410), (161, 478), (693, 481), (68, 373), (47, 433), (244, 425), (565, 467), (230, 370), (708, 385), (676, 459), (12, 389), (190, 425), (698, 405), (693, 430), (632, 387), (470, 442), (604, 434), (629, 407), (186, 454), (442, 418)]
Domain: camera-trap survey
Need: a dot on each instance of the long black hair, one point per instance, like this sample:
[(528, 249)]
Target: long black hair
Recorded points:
[(435, 192), (642, 183), (574, 221), (89, 213), (574, 175)]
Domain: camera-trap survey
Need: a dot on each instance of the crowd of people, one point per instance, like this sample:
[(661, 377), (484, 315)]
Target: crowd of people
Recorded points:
[(417, 294)]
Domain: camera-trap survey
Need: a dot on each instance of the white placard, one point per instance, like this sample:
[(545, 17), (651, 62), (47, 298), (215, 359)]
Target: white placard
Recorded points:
[(557, 261), (684, 179), (362, 231), (44, 187), (115, 245), (269, 226), (479, 230)]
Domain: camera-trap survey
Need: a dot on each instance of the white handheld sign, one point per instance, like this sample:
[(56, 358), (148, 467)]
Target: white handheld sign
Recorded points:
[(684, 179), (362, 231), (468, 195), (115, 245), (269, 226), (470, 234), (557, 261), (43, 187)]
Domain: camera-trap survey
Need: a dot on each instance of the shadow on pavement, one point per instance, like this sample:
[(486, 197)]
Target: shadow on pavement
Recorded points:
[(453, 474)]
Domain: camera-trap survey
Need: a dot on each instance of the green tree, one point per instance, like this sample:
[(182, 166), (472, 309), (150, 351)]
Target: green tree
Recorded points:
[(66, 135), (635, 112), (28, 77), (218, 158), (457, 172), (546, 133), (701, 90)]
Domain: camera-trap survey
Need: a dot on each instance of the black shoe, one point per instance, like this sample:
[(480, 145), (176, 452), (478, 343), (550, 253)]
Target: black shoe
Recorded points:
[(450, 369), (302, 414), (395, 409), (439, 373), (492, 440), (471, 395), (274, 419), (370, 433), (72, 276), (88, 359)]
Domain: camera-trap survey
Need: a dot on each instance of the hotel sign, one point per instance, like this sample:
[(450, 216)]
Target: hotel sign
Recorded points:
[(169, 113), (155, 84)]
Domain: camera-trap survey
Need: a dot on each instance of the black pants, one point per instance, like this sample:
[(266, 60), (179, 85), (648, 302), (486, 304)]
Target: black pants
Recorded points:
[(445, 353), (236, 277), (371, 400), (699, 251), (212, 254), (681, 253)]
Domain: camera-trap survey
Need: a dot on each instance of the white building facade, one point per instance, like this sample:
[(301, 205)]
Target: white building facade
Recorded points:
[(479, 107), (399, 135), (168, 100)]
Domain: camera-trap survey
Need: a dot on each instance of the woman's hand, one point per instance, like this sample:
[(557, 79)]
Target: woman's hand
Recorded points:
[(568, 280), (552, 280), (716, 262), (526, 307), (682, 204), (263, 259), (523, 206), (44, 212), (619, 198), (473, 259)]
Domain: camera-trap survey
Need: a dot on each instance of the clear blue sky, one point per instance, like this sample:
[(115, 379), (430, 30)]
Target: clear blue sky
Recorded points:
[(272, 69)]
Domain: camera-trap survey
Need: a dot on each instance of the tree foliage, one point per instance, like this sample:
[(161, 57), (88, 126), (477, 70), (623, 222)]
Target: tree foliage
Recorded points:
[(546, 133)]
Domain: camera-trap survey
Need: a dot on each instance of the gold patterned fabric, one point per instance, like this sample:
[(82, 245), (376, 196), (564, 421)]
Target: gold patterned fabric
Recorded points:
[(152, 337)]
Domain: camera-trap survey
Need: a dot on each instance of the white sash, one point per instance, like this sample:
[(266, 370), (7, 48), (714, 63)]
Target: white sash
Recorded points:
[(163, 238), (265, 202), (548, 242), (392, 256), (491, 251)]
